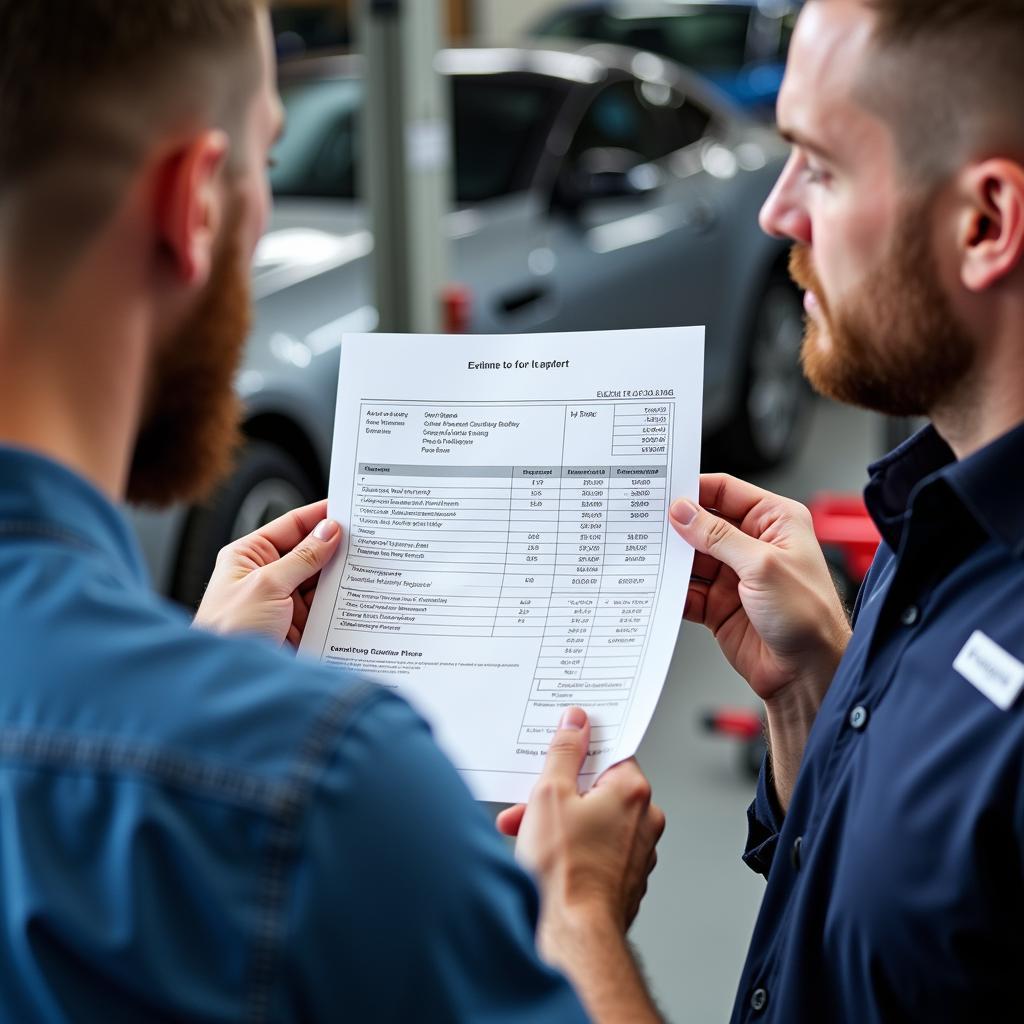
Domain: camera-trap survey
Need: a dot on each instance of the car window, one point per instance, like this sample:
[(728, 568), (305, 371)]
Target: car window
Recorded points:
[(501, 125), (647, 118), (690, 122), (317, 153), (618, 119), (708, 39), (302, 27)]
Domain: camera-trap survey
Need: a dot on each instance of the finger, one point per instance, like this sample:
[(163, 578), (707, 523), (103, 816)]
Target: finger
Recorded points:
[(630, 764), (730, 497), (720, 596), (510, 820), (305, 559), (308, 589), (705, 567), (294, 637), (300, 612), (711, 535), (696, 607), (293, 527), (654, 823), (634, 907), (568, 748), (629, 783)]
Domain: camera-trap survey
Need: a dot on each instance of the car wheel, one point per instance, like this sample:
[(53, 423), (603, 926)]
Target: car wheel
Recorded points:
[(766, 428), (266, 483)]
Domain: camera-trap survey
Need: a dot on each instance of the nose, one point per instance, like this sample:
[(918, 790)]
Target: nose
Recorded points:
[(784, 214)]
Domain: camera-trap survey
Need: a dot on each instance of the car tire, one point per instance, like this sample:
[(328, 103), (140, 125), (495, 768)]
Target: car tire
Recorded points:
[(266, 483), (768, 423)]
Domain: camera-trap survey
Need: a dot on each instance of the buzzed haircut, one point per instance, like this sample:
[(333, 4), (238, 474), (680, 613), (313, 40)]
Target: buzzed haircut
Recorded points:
[(903, 21), (949, 77), (87, 86)]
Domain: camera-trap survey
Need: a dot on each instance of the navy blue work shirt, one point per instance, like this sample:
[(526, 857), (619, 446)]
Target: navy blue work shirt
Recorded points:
[(201, 828), (895, 882)]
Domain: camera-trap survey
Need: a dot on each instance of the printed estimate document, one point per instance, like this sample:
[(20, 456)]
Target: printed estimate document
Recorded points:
[(507, 552)]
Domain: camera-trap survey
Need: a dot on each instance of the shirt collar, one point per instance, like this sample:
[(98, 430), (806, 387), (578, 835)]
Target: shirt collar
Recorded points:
[(42, 497), (989, 484)]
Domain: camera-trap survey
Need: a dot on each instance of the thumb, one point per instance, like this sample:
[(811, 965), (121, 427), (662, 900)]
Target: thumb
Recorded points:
[(509, 820), (568, 748), (711, 535), (307, 558)]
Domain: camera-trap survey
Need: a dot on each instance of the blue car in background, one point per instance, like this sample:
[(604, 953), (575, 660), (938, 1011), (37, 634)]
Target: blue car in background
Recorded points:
[(738, 46)]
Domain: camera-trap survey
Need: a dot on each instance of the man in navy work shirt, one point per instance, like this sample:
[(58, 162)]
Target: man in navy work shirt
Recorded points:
[(195, 826), (889, 818)]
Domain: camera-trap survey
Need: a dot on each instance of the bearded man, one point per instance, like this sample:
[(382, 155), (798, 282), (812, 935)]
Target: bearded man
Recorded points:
[(889, 818), (194, 826)]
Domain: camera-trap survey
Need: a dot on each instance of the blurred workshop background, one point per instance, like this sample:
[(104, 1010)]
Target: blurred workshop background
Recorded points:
[(496, 166)]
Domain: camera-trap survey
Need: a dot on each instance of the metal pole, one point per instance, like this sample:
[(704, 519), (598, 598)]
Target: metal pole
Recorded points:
[(406, 170)]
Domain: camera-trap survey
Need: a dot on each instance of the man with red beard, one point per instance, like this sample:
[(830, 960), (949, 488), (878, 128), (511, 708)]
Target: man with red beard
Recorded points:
[(889, 818), (195, 826)]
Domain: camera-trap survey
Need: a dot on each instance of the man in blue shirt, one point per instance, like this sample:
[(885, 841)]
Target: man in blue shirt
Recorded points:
[(889, 819), (195, 826)]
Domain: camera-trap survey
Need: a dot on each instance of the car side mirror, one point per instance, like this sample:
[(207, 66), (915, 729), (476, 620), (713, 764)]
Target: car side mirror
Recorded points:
[(605, 173)]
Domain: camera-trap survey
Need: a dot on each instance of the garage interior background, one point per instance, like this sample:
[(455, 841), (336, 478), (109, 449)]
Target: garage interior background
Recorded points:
[(467, 20), (695, 924)]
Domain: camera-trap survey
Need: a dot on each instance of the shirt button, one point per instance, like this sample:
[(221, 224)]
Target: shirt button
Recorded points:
[(759, 1000), (910, 615), (794, 853), (858, 717)]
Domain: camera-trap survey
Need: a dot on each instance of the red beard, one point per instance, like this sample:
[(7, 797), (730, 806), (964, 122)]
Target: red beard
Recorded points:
[(190, 426), (895, 345)]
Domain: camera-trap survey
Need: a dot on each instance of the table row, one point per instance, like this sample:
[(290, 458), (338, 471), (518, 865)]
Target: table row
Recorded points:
[(498, 583), (612, 629), (363, 600), (403, 491), (455, 562), (524, 631), (532, 544), (530, 503), (425, 540), (541, 716), (407, 475)]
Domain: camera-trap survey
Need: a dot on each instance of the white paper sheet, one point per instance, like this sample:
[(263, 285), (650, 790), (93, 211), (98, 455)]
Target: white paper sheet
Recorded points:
[(507, 552)]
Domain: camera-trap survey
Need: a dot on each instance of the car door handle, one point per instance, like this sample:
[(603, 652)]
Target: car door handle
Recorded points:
[(514, 302)]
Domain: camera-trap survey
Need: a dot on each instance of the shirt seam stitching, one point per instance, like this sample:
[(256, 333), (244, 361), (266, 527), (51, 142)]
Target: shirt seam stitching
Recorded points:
[(282, 845), (45, 531), (62, 751)]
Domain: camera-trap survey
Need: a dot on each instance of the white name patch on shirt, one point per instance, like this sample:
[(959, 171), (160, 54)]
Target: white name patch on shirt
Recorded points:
[(986, 666)]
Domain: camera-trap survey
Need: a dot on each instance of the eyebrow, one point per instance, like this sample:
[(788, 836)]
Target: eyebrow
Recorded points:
[(795, 138)]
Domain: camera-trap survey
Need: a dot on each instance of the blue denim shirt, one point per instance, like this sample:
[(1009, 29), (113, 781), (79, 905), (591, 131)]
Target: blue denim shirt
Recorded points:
[(896, 879), (200, 828)]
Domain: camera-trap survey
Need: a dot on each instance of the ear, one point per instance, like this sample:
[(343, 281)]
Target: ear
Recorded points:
[(991, 226), (188, 204)]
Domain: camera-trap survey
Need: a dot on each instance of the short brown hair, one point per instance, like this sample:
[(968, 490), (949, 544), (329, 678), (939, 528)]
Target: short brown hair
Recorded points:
[(904, 21), (87, 85), (949, 78)]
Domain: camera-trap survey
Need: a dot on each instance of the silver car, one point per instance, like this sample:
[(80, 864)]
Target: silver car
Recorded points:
[(597, 187)]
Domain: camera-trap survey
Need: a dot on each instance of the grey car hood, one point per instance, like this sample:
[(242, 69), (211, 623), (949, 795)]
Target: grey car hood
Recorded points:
[(306, 238)]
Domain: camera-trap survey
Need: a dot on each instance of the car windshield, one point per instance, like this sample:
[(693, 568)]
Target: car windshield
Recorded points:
[(708, 39), (501, 123)]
